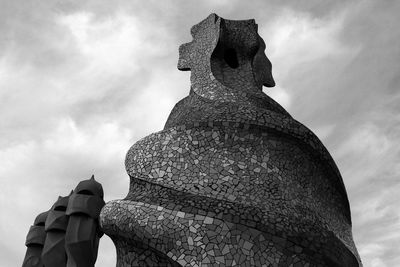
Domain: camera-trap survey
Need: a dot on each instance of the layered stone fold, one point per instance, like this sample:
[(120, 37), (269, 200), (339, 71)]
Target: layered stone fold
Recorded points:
[(232, 179)]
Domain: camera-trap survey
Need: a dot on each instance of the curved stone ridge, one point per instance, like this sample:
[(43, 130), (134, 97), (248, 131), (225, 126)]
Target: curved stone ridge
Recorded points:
[(35, 242), (232, 179)]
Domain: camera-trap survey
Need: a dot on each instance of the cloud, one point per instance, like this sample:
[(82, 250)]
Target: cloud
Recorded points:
[(280, 95), (72, 107), (375, 253), (369, 159), (42, 170), (116, 44), (300, 38)]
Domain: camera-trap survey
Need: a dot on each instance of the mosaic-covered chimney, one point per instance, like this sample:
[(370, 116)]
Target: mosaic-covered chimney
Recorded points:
[(233, 179)]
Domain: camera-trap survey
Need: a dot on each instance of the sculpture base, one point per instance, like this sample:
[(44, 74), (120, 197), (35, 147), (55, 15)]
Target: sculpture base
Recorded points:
[(152, 235)]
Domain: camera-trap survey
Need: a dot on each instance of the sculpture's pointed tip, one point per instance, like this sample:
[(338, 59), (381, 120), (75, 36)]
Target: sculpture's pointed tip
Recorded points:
[(214, 15), (92, 178)]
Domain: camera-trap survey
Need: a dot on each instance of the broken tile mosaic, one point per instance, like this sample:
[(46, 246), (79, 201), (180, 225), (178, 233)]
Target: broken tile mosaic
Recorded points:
[(232, 179)]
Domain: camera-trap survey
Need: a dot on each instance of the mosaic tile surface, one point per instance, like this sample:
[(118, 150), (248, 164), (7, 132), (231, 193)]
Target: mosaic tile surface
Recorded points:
[(233, 179)]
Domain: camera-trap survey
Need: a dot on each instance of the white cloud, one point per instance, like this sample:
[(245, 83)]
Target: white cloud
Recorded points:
[(304, 50), (366, 139), (369, 162), (109, 46), (324, 131), (107, 255), (372, 253), (365, 153), (56, 151), (280, 95), (297, 38), (115, 44), (35, 173)]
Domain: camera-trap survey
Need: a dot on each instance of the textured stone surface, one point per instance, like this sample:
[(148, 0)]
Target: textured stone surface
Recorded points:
[(35, 242), (233, 179), (53, 254), (83, 233)]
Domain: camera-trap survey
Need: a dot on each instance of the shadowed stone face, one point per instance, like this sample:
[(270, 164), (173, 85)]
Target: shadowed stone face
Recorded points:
[(83, 233), (53, 254), (232, 179), (35, 242), (68, 234)]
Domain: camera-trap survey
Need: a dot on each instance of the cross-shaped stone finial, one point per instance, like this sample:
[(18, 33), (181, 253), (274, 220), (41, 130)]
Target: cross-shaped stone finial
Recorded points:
[(226, 57)]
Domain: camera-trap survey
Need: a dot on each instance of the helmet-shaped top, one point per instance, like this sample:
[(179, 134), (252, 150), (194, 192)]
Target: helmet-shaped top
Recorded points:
[(37, 235), (56, 218), (61, 203), (90, 187), (41, 219)]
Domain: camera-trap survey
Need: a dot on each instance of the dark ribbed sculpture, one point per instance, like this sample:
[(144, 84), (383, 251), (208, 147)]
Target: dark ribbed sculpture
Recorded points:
[(233, 179), (68, 234), (35, 242), (53, 254), (83, 233)]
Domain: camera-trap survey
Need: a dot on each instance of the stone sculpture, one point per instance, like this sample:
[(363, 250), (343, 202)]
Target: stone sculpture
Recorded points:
[(233, 179), (68, 234), (83, 233), (53, 254), (35, 241)]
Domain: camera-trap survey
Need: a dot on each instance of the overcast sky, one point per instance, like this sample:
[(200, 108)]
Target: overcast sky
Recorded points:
[(81, 81)]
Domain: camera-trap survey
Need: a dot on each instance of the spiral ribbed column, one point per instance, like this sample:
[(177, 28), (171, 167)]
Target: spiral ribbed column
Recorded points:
[(233, 179)]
